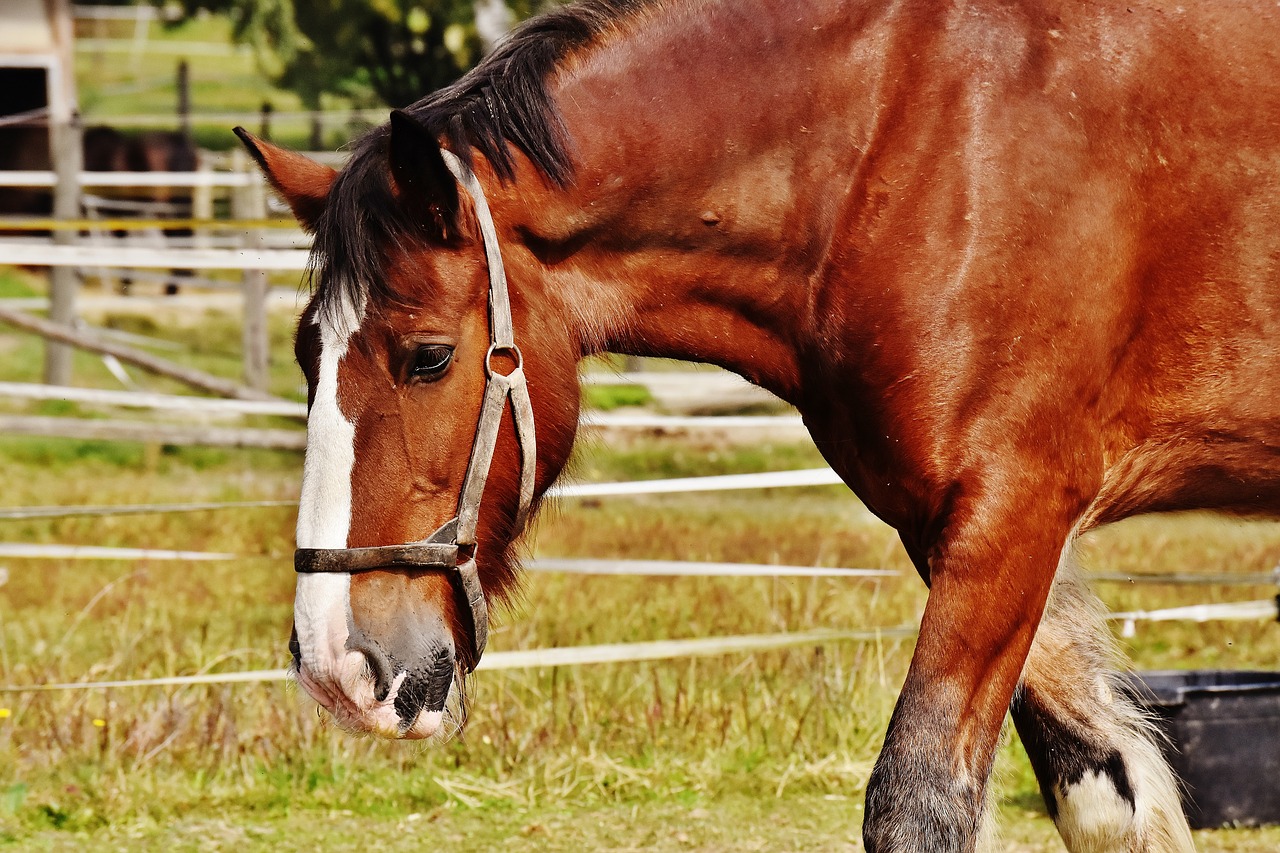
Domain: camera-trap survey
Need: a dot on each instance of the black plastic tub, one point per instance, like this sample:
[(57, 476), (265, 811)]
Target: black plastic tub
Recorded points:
[(1224, 729)]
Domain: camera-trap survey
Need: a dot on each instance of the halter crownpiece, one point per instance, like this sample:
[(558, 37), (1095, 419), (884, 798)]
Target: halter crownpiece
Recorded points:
[(440, 551)]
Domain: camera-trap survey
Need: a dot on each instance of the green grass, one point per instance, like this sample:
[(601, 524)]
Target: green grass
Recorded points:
[(768, 751), (609, 397), (15, 286), (118, 83)]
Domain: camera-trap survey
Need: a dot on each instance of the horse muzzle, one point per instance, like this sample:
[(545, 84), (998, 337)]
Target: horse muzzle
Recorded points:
[(439, 552), (379, 654)]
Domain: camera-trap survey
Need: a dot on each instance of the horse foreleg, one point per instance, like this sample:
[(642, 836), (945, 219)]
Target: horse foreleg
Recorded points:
[(989, 583), (1105, 781)]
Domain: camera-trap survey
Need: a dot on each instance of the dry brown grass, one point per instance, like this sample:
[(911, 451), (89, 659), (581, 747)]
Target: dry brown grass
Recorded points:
[(700, 754)]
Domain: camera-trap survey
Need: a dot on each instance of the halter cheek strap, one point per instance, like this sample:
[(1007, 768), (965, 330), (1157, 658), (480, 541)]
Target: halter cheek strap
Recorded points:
[(498, 387), (440, 551)]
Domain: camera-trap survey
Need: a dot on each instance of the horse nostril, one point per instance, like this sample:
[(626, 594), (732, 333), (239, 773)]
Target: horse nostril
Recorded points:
[(295, 648), (427, 688), (379, 667)]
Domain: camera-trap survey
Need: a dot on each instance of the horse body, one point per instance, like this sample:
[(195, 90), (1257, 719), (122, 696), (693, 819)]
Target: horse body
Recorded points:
[(1014, 263), (925, 268)]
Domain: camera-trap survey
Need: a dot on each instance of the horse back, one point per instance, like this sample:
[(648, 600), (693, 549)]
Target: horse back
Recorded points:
[(1060, 258)]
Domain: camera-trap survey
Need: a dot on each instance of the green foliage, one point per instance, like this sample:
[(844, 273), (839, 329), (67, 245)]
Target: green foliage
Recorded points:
[(12, 798), (56, 455), (14, 286), (609, 397), (399, 50)]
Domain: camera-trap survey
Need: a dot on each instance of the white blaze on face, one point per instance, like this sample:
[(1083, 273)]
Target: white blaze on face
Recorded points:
[(335, 676), (322, 604)]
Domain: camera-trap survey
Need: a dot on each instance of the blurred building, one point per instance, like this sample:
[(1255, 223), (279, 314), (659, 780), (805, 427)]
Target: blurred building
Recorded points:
[(37, 83)]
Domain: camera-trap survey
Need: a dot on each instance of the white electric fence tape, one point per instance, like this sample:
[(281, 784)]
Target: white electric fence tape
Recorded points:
[(536, 658), (728, 482), (20, 513), (25, 551), (683, 569), (1266, 608), (721, 483), (669, 649), (192, 404), (30, 254), (593, 566)]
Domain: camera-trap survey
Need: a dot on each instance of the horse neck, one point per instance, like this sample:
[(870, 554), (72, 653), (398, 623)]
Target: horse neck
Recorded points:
[(697, 227), (636, 292)]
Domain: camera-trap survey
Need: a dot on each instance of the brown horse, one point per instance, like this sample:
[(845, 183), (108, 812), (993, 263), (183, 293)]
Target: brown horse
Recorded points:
[(1015, 262)]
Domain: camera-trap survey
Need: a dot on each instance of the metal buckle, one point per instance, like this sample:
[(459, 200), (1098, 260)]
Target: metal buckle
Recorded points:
[(496, 347)]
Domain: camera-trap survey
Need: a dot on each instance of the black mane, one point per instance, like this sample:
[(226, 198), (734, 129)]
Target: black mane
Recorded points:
[(502, 101)]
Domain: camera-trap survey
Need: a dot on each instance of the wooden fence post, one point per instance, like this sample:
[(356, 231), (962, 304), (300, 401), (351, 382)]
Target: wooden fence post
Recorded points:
[(202, 201), (317, 131), (66, 142), (184, 100), (250, 202), (264, 115)]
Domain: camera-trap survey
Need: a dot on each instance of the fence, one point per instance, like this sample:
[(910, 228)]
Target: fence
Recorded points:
[(627, 652), (244, 242)]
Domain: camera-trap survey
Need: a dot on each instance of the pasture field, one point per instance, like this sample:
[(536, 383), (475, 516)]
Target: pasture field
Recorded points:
[(767, 751), (119, 77)]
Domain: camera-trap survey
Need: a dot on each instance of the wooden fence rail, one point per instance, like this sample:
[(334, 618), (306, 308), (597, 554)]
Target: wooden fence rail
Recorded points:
[(153, 433), (80, 339)]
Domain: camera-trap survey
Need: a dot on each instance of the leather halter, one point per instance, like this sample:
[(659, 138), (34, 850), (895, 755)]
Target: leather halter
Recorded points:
[(456, 538)]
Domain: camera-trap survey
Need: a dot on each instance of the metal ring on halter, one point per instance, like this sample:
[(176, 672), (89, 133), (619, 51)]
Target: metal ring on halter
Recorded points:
[(497, 347)]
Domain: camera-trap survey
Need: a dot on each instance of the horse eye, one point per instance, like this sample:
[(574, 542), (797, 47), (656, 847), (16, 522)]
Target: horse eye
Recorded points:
[(431, 361)]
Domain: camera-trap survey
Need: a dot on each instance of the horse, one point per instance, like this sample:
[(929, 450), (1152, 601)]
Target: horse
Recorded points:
[(104, 149), (107, 149), (1014, 261)]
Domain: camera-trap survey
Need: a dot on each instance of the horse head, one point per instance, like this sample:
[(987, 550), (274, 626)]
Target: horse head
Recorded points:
[(420, 467)]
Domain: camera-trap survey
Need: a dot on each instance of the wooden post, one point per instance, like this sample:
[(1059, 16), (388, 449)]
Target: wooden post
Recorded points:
[(250, 202), (66, 141), (202, 201), (264, 131), (141, 30), (317, 131), (184, 99)]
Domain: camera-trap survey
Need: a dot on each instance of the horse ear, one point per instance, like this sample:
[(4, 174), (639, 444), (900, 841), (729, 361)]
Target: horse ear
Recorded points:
[(302, 182), (422, 179)]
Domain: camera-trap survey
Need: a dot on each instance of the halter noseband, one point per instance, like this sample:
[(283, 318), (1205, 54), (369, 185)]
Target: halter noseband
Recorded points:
[(440, 552)]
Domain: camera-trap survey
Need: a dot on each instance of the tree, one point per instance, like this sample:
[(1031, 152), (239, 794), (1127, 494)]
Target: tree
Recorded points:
[(400, 50)]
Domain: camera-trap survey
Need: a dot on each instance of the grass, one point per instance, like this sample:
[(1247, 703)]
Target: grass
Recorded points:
[(609, 397), (116, 83), (760, 752), (15, 286)]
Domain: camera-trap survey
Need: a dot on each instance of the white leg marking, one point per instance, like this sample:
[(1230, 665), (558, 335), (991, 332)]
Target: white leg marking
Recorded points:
[(1071, 661), (1093, 817)]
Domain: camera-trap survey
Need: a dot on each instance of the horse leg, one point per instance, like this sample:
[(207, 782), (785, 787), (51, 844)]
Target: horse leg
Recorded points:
[(989, 583), (1104, 779)]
